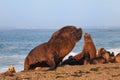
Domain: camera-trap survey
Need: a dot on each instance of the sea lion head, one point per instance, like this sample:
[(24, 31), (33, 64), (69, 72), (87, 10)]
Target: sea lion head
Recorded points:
[(11, 69), (87, 37), (101, 51), (68, 32), (112, 57), (77, 34)]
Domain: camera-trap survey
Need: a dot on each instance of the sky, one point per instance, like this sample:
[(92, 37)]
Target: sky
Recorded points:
[(59, 13)]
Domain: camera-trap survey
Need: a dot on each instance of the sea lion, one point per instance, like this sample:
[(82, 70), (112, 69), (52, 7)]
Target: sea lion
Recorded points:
[(51, 53), (88, 46), (103, 56), (11, 70), (106, 56), (100, 51), (72, 61), (112, 57), (117, 58)]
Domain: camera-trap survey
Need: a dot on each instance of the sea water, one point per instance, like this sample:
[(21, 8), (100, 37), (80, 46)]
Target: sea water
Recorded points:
[(16, 44)]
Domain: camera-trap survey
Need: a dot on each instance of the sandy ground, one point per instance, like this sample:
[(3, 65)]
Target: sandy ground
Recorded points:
[(109, 71)]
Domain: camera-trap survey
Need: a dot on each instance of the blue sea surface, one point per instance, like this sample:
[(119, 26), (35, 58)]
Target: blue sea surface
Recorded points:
[(16, 44)]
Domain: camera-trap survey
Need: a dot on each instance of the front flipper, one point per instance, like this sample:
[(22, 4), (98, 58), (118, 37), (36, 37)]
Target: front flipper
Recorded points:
[(52, 64)]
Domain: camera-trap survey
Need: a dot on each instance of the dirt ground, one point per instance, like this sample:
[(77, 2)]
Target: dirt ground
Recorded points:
[(109, 71)]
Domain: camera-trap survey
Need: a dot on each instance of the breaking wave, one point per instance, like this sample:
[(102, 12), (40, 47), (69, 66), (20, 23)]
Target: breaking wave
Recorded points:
[(115, 50), (15, 60)]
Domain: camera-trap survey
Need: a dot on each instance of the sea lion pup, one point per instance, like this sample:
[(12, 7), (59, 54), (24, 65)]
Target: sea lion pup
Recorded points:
[(112, 57), (100, 58), (106, 56), (51, 53), (100, 51), (10, 70), (117, 58), (71, 61), (88, 46)]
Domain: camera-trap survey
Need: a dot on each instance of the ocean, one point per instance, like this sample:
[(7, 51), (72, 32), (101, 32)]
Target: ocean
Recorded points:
[(16, 44)]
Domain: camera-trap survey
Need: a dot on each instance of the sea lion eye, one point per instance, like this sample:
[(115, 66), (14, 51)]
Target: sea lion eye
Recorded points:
[(72, 32)]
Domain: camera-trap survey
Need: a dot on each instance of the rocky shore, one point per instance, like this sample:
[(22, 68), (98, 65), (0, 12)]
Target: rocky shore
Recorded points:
[(109, 71)]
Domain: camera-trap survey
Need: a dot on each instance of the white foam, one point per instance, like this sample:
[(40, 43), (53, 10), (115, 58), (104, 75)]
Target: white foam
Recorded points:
[(19, 68), (10, 47), (70, 54), (3, 69), (16, 60), (20, 65), (115, 50)]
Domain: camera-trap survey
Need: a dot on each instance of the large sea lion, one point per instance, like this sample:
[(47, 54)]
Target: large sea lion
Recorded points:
[(51, 53)]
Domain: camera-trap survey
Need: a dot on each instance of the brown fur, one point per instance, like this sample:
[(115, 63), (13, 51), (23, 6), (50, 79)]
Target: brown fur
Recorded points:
[(51, 53), (86, 58), (88, 46), (106, 56), (117, 58), (98, 60), (103, 56), (100, 51), (112, 57)]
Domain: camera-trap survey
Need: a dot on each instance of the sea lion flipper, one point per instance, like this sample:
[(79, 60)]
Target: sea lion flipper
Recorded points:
[(52, 64), (52, 67)]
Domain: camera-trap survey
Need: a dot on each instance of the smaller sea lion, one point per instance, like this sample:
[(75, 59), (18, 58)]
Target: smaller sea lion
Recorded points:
[(117, 58)]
